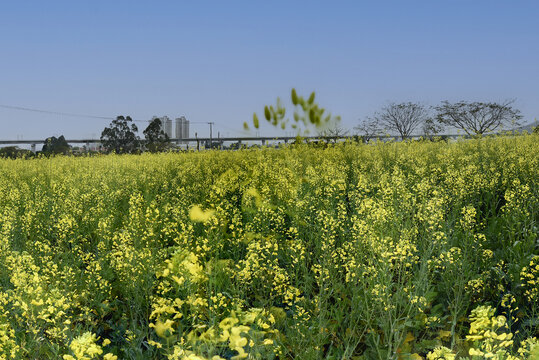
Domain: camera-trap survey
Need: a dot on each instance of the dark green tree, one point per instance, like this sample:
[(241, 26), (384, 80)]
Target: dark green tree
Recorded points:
[(156, 139), (120, 136), (54, 145), (13, 152)]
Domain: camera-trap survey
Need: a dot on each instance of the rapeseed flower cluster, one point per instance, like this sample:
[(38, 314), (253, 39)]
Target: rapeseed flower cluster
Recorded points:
[(412, 250)]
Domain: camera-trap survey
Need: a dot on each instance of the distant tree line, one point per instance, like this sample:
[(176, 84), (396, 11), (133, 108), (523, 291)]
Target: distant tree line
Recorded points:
[(120, 137), (473, 118), (404, 119), (52, 145), (13, 152)]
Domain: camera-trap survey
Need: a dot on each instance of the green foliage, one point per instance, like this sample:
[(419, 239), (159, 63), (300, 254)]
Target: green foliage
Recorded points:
[(256, 123), (156, 139), (307, 115), (55, 145), (13, 152), (120, 136)]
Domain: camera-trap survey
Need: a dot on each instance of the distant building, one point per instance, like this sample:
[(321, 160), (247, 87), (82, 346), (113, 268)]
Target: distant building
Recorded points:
[(167, 124), (182, 128), (179, 127), (185, 129)]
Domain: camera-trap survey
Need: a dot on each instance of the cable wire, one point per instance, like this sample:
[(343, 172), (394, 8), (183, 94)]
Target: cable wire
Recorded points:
[(22, 108), (54, 112)]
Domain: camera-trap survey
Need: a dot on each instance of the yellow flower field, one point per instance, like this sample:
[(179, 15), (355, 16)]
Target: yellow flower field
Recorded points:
[(413, 250)]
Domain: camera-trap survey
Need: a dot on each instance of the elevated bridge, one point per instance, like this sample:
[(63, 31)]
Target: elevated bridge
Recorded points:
[(207, 140)]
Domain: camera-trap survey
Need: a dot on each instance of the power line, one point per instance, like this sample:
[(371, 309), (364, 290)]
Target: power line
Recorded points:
[(55, 112), (22, 108)]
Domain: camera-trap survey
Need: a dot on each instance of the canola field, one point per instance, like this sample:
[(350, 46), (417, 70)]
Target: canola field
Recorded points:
[(416, 250)]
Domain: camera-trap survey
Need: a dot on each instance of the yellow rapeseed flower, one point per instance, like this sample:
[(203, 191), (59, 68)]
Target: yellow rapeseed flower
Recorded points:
[(196, 214)]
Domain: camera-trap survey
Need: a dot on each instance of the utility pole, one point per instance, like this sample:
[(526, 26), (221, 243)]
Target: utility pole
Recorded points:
[(211, 133)]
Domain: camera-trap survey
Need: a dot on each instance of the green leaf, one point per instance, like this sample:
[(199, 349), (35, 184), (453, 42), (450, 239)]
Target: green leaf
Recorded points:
[(311, 116), (311, 99), (294, 97)]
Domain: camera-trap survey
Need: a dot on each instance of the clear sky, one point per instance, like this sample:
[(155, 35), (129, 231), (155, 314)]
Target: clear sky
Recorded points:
[(223, 60)]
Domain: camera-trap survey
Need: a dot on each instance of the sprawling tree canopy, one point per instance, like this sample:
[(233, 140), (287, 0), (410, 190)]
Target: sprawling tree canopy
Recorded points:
[(477, 118), (403, 118)]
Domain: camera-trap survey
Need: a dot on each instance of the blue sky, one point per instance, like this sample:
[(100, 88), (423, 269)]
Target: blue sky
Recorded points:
[(223, 60)]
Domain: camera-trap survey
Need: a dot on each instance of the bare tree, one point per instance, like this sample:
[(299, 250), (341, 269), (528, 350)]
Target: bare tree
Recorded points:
[(403, 117), (368, 129), (477, 118), (335, 132)]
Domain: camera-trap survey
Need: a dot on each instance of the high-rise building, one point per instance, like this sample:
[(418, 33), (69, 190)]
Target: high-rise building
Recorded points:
[(167, 125), (182, 128), (179, 127), (185, 129)]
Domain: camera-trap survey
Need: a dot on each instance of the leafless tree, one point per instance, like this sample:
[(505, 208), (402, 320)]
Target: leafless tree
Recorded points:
[(477, 118), (334, 132), (368, 129), (403, 117)]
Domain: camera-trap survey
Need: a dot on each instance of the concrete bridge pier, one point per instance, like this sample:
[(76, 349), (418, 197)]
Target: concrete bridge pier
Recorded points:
[(33, 147)]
